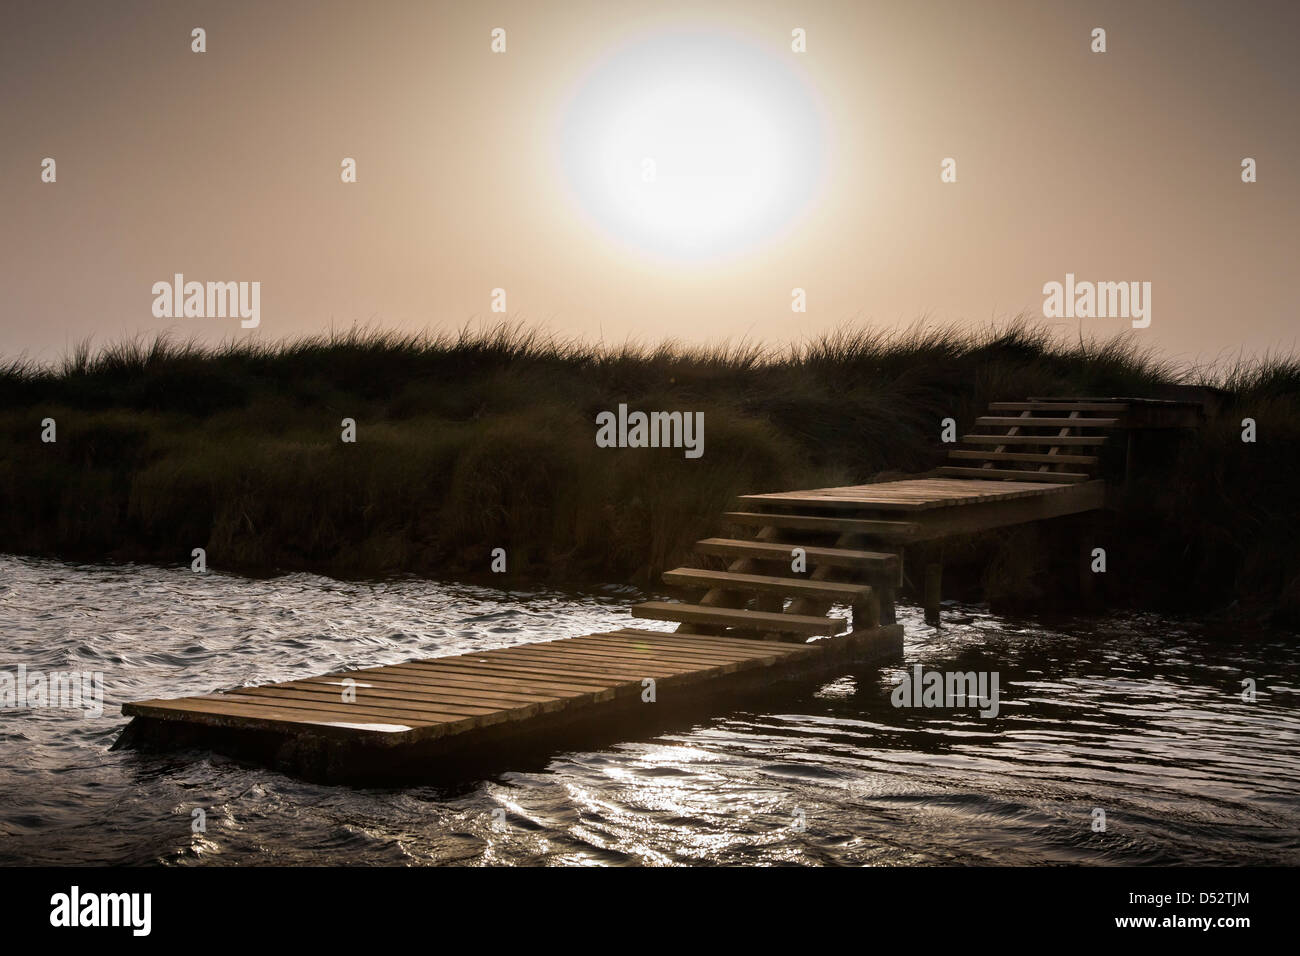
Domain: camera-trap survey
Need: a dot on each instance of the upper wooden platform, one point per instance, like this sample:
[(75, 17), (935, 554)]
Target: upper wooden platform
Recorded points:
[(909, 494), (934, 507), (1025, 461)]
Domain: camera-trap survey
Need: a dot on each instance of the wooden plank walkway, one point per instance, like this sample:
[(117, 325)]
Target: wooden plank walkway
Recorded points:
[(350, 724), (1042, 463), (850, 539), (820, 561), (439, 696)]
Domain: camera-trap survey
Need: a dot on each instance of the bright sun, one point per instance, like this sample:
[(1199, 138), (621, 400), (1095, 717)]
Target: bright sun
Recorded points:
[(692, 146)]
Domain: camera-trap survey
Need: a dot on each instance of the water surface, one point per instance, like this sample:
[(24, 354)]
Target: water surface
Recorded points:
[(1136, 715)]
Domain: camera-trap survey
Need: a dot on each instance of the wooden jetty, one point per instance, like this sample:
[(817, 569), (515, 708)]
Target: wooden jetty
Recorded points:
[(807, 590)]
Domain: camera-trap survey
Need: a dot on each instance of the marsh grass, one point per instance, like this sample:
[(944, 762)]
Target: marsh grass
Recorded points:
[(476, 440)]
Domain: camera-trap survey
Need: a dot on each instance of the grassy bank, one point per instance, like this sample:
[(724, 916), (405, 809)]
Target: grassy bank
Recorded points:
[(477, 441)]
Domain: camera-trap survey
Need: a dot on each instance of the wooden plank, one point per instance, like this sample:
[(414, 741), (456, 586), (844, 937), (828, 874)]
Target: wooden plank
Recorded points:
[(665, 652), (1127, 400), (1062, 477), (736, 663), (589, 662), (519, 672), (997, 421), (884, 529), (672, 643), (425, 694), (917, 494), (621, 645), (603, 666), (735, 617), (1046, 440), (758, 646), (880, 562), (795, 587), (1023, 456), (421, 688), (459, 678), (268, 716), (396, 712), (653, 639), (841, 502), (658, 661), (521, 667), (437, 668), (1058, 406)]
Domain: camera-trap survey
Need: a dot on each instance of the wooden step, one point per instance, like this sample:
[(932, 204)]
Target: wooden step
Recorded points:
[(879, 561), (794, 587), (733, 617), (1019, 474), (1041, 458), (1048, 440), (1061, 406), (884, 529), (993, 421)]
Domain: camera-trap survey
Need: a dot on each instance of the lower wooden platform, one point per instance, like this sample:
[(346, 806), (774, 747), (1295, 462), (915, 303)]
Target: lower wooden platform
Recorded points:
[(400, 720)]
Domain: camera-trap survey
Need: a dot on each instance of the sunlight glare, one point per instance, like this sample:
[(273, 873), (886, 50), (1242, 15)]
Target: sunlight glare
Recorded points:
[(692, 146)]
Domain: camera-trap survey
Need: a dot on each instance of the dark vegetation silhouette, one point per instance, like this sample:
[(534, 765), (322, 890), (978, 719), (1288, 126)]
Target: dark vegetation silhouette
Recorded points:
[(471, 441)]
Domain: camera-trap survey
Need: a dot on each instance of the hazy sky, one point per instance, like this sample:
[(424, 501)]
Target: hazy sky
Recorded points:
[(775, 169)]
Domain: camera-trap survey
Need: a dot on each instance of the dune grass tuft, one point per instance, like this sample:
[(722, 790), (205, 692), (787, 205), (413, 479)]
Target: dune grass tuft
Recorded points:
[(469, 441)]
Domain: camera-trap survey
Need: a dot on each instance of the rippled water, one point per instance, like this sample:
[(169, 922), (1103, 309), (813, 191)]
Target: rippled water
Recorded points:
[(1139, 716)]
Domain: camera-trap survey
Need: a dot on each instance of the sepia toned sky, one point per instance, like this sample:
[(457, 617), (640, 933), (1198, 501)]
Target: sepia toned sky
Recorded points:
[(774, 169)]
